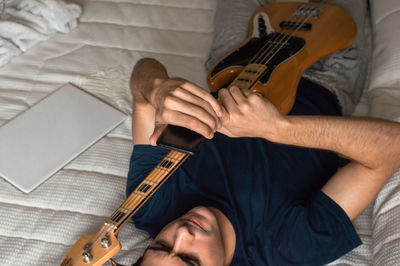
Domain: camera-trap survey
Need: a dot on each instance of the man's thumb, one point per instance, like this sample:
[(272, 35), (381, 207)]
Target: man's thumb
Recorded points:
[(158, 129)]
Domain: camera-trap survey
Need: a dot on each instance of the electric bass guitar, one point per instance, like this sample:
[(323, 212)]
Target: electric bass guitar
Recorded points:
[(284, 40)]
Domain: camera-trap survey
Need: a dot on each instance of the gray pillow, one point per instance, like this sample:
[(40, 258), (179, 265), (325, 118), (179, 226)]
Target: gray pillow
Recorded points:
[(231, 26)]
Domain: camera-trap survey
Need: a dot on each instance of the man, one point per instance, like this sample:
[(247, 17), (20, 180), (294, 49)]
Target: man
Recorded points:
[(264, 188)]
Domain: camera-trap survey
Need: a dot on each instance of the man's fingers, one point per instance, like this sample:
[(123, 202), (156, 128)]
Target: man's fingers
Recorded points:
[(185, 120), (193, 110), (227, 100), (194, 105), (205, 95), (237, 94)]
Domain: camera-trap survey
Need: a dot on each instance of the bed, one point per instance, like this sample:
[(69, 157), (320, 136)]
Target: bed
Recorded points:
[(39, 228)]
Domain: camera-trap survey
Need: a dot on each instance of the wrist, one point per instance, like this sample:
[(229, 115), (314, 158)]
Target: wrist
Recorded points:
[(277, 133)]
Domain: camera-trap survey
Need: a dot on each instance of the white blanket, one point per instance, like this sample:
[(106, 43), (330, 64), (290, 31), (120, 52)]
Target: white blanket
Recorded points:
[(98, 56), (24, 23)]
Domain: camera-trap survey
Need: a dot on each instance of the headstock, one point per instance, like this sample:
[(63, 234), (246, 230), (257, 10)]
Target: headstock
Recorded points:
[(93, 249)]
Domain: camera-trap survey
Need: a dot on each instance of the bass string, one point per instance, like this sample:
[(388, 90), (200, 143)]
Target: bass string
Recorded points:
[(99, 236), (152, 177), (109, 228), (275, 45), (283, 36), (178, 157), (268, 51), (265, 46), (156, 178), (285, 41)]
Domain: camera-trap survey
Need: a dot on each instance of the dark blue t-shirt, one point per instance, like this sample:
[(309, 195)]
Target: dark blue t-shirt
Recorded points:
[(270, 193)]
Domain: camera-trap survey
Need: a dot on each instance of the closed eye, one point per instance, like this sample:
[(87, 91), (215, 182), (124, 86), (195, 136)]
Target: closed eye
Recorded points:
[(188, 259)]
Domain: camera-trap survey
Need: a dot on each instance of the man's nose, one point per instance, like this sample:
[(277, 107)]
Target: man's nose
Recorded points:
[(184, 236)]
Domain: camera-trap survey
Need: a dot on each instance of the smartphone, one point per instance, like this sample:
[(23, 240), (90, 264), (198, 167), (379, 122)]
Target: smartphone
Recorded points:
[(180, 139)]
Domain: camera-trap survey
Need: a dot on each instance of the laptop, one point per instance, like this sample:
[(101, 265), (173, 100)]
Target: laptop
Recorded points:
[(40, 141)]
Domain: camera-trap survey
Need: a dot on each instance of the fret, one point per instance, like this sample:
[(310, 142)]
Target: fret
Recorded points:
[(138, 194), (151, 182), (170, 159), (166, 163), (159, 169), (153, 179), (245, 80), (117, 216), (125, 210), (250, 71)]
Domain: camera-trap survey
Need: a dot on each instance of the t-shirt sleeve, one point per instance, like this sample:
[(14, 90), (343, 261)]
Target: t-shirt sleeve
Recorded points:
[(315, 234), (143, 160)]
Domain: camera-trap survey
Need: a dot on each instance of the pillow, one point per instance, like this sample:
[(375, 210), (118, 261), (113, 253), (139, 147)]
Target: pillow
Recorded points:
[(384, 88), (384, 99)]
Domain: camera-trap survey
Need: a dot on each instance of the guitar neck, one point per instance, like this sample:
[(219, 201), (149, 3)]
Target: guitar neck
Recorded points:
[(168, 165), (248, 76)]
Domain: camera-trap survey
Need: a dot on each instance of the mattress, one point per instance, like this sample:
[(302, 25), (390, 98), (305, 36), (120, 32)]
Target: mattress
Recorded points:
[(39, 228)]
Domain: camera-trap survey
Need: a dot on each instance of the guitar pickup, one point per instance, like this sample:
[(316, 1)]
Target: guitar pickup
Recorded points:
[(292, 25)]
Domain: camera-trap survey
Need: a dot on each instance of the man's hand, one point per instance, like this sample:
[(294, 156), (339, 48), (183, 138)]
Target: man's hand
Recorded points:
[(182, 103), (248, 114), (160, 100)]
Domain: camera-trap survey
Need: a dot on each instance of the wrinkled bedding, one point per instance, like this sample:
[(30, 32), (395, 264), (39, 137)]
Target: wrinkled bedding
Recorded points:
[(39, 228)]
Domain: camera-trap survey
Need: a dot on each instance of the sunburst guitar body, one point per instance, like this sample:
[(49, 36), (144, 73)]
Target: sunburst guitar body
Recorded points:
[(284, 39)]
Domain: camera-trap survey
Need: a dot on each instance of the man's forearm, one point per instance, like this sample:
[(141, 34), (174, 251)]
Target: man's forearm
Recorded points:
[(371, 142), (374, 145)]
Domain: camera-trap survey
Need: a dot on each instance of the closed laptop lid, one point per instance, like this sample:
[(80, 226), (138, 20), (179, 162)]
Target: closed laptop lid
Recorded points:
[(44, 138)]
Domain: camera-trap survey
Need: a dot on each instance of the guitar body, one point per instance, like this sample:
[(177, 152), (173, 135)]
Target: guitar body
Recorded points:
[(284, 40)]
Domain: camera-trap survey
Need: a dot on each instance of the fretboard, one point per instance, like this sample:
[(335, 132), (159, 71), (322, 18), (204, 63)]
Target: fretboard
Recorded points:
[(146, 189)]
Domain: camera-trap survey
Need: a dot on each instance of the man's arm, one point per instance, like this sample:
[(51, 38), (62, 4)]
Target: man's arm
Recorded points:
[(372, 144), (160, 100)]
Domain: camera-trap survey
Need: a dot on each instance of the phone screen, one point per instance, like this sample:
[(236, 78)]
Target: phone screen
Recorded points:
[(180, 139)]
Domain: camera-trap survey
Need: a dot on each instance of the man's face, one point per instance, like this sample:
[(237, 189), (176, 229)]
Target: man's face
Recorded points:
[(193, 239)]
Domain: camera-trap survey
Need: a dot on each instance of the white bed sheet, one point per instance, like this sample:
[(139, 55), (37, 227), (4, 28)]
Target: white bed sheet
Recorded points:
[(98, 56)]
